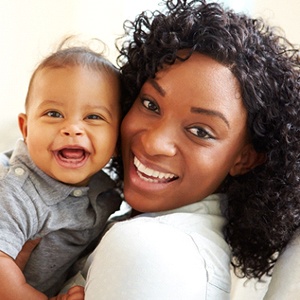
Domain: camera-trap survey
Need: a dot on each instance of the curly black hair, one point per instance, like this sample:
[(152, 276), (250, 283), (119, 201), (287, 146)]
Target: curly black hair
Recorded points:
[(263, 207)]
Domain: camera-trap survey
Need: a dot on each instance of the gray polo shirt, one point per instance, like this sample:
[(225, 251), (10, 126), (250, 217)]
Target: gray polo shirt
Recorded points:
[(67, 218)]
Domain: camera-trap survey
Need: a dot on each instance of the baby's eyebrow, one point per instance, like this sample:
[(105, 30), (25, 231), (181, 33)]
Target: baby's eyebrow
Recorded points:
[(210, 112), (51, 102), (155, 84)]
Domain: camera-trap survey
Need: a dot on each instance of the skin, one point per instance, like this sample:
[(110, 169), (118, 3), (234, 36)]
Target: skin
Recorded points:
[(74, 293), (71, 128), (187, 125), (71, 111), (24, 254)]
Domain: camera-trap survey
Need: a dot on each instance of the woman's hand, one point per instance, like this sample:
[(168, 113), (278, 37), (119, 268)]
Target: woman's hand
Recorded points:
[(23, 256), (74, 293)]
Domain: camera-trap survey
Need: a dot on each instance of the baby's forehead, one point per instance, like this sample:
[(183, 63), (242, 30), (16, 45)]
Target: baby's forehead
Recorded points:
[(69, 76), (103, 71)]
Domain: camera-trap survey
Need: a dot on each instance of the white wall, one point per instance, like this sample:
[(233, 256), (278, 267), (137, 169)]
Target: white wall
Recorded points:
[(284, 14), (30, 29)]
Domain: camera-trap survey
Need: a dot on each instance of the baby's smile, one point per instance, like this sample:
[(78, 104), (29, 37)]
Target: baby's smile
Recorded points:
[(71, 157)]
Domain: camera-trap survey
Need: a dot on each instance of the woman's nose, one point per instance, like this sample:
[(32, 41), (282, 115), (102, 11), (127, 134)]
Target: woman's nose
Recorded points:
[(72, 130), (159, 140)]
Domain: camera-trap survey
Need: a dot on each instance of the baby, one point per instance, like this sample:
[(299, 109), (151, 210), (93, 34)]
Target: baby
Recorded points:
[(50, 188)]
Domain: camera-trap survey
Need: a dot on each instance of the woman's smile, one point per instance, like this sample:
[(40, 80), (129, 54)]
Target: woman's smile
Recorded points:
[(151, 175), (180, 142)]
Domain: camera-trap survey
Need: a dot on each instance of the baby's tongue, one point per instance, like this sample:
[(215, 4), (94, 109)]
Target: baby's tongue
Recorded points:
[(72, 153)]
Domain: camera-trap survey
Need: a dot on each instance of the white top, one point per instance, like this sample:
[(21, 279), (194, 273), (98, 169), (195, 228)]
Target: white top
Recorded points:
[(285, 282), (178, 254)]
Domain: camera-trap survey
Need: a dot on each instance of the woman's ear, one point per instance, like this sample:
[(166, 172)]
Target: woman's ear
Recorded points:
[(22, 119), (247, 161)]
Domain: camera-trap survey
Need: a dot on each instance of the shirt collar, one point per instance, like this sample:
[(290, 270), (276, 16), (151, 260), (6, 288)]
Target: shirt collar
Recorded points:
[(209, 205)]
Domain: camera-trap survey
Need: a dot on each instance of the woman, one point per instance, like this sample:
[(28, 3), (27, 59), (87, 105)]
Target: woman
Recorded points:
[(211, 154)]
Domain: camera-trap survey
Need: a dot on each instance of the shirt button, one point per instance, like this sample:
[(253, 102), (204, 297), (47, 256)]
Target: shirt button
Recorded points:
[(77, 193), (19, 171)]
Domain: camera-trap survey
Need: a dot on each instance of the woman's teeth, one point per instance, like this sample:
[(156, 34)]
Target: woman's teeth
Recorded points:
[(155, 175)]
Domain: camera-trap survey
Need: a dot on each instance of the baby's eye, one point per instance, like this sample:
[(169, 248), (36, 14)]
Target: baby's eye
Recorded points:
[(54, 114), (94, 117), (150, 105), (201, 133)]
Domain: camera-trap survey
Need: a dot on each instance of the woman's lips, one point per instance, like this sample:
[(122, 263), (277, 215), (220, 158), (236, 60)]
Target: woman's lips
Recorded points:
[(150, 175)]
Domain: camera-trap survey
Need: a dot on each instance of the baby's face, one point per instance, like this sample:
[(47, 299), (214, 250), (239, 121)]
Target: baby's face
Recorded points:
[(72, 121)]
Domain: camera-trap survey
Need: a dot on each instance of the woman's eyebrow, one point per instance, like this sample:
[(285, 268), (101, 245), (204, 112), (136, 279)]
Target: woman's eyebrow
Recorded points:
[(199, 110), (155, 84), (209, 112)]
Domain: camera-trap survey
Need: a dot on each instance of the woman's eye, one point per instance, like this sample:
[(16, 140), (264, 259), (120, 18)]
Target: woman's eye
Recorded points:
[(201, 133), (150, 105), (54, 114)]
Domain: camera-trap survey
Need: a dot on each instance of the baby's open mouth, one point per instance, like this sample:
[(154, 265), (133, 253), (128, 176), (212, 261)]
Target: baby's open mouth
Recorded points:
[(68, 153), (71, 157)]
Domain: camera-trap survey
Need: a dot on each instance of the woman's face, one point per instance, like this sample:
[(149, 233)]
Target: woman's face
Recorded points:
[(185, 132)]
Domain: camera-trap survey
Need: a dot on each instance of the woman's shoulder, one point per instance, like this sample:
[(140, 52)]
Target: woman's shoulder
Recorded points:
[(150, 253), (182, 253), (201, 222), (173, 236)]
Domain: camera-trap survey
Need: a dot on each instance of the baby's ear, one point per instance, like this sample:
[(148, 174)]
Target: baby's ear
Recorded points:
[(22, 119), (247, 160)]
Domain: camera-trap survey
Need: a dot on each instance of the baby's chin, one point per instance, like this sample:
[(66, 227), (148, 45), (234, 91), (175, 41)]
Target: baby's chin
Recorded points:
[(73, 179)]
